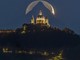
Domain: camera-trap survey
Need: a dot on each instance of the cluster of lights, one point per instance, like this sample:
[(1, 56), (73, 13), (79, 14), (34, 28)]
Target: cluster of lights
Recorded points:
[(33, 52), (43, 53), (7, 31), (6, 50)]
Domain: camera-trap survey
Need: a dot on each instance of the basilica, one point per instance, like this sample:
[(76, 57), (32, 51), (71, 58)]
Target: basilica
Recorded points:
[(40, 20), (36, 24)]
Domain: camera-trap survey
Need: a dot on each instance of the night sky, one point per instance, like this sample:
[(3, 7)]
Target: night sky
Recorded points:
[(12, 13)]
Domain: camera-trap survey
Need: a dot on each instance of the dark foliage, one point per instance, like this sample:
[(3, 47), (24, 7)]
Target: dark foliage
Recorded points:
[(40, 37)]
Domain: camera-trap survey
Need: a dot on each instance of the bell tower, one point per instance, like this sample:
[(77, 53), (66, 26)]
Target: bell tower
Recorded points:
[(40, 13), (32, 20)]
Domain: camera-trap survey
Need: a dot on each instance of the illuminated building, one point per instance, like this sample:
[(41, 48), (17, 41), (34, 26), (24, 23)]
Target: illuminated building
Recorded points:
[(40, 20), (40, 23)]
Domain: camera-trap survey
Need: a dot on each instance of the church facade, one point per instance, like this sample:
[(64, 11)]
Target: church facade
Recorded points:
[(40, 20)]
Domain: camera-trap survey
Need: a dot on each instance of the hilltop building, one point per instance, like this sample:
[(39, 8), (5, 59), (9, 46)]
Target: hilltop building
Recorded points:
[(36, 24), (40, 20)]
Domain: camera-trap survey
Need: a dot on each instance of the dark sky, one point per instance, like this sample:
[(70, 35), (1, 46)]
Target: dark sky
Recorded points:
[(12, 13)]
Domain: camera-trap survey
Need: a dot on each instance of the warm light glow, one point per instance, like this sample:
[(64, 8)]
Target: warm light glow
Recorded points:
[(59, 56), (45, 53), (30, 52), (6, 50), (7, 31)]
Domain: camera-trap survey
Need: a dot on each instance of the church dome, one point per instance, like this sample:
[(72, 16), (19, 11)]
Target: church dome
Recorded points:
[(40, 15)]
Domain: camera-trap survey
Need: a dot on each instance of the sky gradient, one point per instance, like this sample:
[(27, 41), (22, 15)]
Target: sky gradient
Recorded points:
[(12, 13)]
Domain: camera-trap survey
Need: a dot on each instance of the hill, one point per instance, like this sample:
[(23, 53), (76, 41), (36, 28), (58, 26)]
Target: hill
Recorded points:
[(34, 36)]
